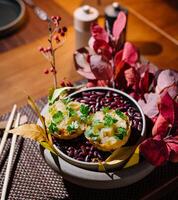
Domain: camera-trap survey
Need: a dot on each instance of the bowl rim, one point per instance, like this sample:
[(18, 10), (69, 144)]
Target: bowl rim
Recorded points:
[(17, 21), (143, 132)]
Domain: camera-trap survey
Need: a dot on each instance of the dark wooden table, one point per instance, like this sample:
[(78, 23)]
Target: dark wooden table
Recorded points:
[(21, 65)]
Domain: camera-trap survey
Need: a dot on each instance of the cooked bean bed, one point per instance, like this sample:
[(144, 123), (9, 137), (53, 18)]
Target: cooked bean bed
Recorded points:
[(80, 148)]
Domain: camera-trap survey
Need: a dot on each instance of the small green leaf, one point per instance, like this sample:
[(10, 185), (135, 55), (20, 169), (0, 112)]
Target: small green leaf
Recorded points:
[(122, 131), (109, 121), (120, 114), (58, 117), (66, 101), (52, 128), (57, 93), (105, 109), (84, 110), (71, 112), (119, 136), (83, 118), (72, 127)]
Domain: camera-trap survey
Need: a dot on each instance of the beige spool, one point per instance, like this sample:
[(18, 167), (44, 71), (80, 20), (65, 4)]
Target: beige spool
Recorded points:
[(83, 18)]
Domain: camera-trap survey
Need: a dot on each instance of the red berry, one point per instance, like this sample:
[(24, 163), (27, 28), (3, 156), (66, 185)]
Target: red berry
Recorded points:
[(56, 37), (49, 49), (53, 17), (40, 49), (64, 29), (53, 70), (59, 30), (62, 83), (46, 71), (45, 50), (90, 84), (62, 34)]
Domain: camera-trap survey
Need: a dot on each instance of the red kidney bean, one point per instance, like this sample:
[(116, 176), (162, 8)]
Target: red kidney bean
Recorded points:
[(83, 101), (86, 94), (92, 102), (90, 153), (100, 93), (87, 148)]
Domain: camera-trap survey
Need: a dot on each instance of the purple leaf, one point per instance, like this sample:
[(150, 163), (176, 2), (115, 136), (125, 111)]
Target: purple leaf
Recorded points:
[(155, 150), (82, 64), (130, 54), (102, 70), (150, 107), (160, 127), (132, 78), (119, 25), (172, 144), (103, 48), (167, 108), (99, 33), (166, 79)]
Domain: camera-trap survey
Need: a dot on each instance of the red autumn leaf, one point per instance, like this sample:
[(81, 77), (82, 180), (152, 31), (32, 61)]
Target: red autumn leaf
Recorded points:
[(150, 107), (142, 67), (119, 25), (144, 82), (172, 144), (102, 48), (118, 57), (118, 63), (166, 79), (101, 69), (102, 83), (134, 95), (155, 151), (99, 33), (174, 157), (130, 54), (160, 127), (167, 108), (132, 78), (82, 65), (173, 91)]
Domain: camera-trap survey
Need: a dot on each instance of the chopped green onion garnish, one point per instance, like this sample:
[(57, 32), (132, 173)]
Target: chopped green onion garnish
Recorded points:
[(52, 128), (109, 121), (84, 110), (58, 117), (72, 127), (120, 114), (105, 109)]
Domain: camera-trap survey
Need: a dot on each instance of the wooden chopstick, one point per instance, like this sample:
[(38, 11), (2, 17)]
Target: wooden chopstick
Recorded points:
[(8, 126), (12, 149)]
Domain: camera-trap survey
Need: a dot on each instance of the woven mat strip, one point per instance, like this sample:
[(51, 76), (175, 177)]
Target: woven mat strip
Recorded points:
[(31, 178)]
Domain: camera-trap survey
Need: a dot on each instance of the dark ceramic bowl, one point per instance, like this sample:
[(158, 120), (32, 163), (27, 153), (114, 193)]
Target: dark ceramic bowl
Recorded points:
[(94, 165)]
